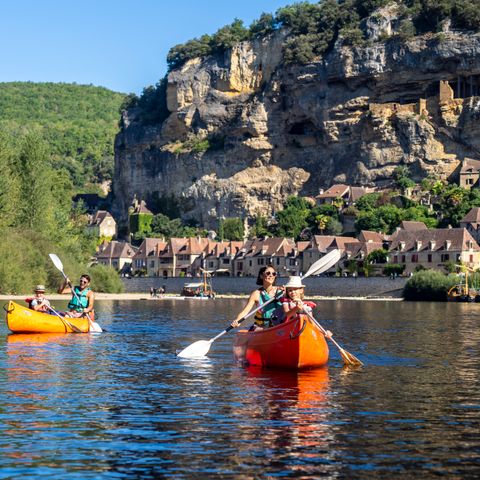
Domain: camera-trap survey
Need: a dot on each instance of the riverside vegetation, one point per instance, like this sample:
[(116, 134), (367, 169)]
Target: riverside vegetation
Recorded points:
[(54, 138)]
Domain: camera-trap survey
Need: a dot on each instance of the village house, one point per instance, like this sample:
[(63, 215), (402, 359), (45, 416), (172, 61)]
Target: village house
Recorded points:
[(219, 261), (433, 249), (117, 255), (319, 245), (145, 260), (469, 173), (471, 221), (102, 224), (257, 253), (347, 193), (184, 256)]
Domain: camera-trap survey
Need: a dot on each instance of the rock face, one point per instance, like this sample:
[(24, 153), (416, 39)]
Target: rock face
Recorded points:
[(270, 130)]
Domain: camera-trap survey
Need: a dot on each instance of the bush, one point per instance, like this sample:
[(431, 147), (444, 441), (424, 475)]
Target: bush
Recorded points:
[(105, 279), (429, 285)]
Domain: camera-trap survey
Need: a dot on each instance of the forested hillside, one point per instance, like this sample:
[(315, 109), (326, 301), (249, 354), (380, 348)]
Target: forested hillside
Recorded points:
[(78, 122)]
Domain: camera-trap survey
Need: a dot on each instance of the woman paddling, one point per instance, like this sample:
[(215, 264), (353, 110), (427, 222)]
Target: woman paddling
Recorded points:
[(265, 317)]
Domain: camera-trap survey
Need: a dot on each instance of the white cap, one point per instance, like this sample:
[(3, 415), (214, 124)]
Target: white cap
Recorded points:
[(294, 282)]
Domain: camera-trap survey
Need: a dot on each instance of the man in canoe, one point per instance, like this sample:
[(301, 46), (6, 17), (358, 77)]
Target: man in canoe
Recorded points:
[(82, 299), (39, 303), (265, 317)]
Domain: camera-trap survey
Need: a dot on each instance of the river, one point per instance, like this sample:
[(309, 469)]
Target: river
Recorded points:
[(122, 405)]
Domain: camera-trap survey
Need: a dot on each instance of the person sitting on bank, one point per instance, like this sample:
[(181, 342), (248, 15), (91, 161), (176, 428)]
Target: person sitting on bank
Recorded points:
[(82, 299), (39, 303)]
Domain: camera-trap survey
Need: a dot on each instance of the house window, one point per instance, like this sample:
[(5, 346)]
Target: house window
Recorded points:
[(261, 261), (470, 258), (403, 258), (278, 260), (240, 266), (152, 263), (395, 259), (292, 262), (115, 263), (414, 258), (225, 261), (250, 263), (445, 257), (429, 258), (210, 264)]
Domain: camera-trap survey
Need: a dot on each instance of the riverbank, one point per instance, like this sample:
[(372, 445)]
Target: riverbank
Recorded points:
[(144, 296)]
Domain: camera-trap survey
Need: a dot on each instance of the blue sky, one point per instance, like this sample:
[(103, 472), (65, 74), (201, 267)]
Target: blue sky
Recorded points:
[(118, 44)]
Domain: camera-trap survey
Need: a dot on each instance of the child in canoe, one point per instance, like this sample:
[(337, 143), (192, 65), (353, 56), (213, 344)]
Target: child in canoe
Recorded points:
[(293, 302)]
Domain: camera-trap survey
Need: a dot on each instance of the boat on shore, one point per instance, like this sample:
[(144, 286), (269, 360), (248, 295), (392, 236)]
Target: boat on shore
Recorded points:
[(25, 320), (294, 345)]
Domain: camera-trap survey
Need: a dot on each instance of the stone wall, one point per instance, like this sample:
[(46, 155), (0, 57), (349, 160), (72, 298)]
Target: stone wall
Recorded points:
[(318, 286)]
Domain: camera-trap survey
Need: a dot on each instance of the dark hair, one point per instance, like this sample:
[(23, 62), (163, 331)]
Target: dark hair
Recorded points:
[(261, 272), (86, 276)]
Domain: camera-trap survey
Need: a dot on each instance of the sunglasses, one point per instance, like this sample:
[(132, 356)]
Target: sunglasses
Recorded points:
[(270, 274)]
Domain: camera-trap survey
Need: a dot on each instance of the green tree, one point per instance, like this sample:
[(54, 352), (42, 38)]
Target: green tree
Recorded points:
[(231, 229)]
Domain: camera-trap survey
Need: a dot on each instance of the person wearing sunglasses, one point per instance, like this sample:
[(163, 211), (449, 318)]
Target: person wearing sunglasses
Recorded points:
[(265, 317), (82, 296)]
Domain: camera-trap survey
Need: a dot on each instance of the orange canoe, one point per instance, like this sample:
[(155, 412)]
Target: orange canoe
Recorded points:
[(297, 344), (24, 320)]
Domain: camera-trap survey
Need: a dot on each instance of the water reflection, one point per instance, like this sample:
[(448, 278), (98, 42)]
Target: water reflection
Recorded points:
[(414, 406)]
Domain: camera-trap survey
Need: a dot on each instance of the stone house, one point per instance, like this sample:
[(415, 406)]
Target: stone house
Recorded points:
[(145, 259), (469, 173), (471, 221), (184, 256), (219, 260), (257, 253), (319, 245), (102, 224), (347, 193), (432, 249), (117, 255)]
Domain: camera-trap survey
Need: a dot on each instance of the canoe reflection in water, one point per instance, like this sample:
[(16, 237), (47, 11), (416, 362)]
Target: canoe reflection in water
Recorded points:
[(290, 416)]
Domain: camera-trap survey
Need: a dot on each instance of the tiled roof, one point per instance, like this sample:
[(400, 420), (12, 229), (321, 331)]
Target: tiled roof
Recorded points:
[(410, 240), (150, 246), (368, 236), (473, 216), (99, 217), (116, 249), (334, 191), (470, 165), (411, 225)]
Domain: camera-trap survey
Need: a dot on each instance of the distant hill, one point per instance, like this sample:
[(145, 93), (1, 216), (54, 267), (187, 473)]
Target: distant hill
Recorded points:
[(79, 122)]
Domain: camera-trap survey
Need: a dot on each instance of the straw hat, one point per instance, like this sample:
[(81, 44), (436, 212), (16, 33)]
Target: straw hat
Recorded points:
[(40, 288), (294, 282)]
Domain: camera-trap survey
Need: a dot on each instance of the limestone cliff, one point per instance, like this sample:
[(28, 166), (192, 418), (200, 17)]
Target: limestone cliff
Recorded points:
[(245, 131)]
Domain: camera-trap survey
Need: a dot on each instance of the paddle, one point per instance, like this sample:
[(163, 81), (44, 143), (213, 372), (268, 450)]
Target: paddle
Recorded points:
[(347, 357), (65, 321), (94, 326), (201, 347)]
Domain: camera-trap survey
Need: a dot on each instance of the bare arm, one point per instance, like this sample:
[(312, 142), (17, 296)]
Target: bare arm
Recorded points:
[(292, 311), (252, 300), (91, 301), (65, 287)]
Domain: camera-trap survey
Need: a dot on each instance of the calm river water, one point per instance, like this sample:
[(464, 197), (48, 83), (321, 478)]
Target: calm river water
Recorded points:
[(122, 405)]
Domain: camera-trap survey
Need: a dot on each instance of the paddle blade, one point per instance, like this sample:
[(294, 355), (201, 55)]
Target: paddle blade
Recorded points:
[(196, 350), (95, 327), (324, 263), (56, 261), (349, 359)]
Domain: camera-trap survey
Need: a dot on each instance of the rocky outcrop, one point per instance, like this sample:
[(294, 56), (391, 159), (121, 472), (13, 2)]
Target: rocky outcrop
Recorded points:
[(245, 131)]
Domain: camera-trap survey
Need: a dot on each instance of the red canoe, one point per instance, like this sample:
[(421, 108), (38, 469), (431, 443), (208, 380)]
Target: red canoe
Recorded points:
[(297, 344)]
